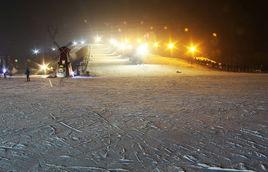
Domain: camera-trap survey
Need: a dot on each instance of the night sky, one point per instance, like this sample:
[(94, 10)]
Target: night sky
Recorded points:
[(241, 24)]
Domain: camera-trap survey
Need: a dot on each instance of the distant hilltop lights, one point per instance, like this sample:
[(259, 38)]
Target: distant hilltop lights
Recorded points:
[(143, 40)]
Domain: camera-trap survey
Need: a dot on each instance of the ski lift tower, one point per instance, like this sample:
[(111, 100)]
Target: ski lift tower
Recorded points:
[(64, 63), (64, 68)]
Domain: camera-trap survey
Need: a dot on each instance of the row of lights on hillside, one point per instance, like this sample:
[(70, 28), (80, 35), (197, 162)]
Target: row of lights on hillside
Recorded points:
[(125, 45), (82, 42), (98, 39), (38, 51), (74, 43), (143, 45)]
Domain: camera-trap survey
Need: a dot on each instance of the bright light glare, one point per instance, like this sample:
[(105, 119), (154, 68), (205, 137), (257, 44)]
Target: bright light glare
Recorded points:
[(36, 51), (192, 49), (129, 47), (82, 42), (4, 70), (113, 42), (156, 45), (122, 46), (171, 45), (143, 50), (126, 40), (53, 49), (44, 67), (139, 40), (74, 43), (98, 39)]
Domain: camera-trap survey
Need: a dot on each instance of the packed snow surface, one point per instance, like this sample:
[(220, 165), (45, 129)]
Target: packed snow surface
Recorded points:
[(151, 123)]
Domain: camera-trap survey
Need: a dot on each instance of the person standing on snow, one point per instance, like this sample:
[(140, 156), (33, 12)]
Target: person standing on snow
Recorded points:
[(27, 73), (5, 75)]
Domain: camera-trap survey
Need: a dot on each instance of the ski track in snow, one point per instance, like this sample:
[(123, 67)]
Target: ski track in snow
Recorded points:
[(183, 123)]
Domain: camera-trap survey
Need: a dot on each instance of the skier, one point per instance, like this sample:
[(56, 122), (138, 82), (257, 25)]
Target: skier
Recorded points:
[(27, 73)]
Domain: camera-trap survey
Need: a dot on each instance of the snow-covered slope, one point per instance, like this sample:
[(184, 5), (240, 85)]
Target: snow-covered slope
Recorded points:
[(153, 123)]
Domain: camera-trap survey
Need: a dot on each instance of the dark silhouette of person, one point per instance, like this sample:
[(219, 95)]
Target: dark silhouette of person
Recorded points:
[(5, 75), (27, 73)]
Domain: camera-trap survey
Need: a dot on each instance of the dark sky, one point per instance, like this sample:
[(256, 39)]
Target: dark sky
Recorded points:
[(23, 23)]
